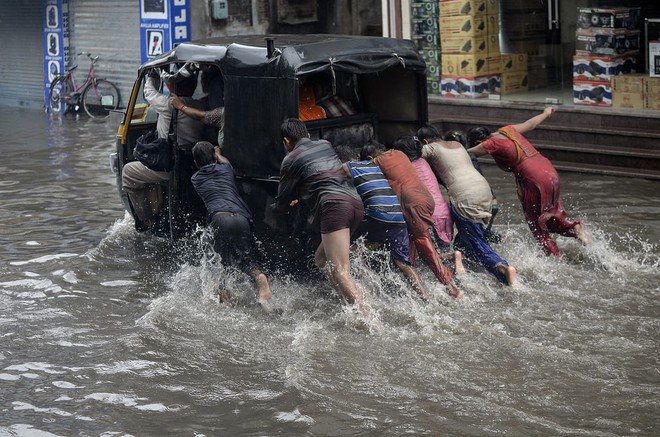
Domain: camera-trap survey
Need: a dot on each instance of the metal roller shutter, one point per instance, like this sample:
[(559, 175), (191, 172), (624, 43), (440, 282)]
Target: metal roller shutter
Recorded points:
[(111, 30), (22, 54)]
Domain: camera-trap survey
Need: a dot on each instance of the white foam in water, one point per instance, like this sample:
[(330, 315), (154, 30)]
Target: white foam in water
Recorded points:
[(24, 430), (44, 259), (294, 416)]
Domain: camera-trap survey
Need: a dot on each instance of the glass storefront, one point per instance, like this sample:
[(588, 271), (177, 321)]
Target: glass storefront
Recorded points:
[(548, 51)]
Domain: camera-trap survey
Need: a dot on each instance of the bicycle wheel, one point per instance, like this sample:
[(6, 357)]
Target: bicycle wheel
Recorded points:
[(99, 98), (60, 89)]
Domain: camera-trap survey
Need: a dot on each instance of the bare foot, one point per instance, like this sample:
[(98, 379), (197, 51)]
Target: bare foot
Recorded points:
[(224, 298), (509, 273), (458, 262), (581, 234), (263, 287), (454, 291)]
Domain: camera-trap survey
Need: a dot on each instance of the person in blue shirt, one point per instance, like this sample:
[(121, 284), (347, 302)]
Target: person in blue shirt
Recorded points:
[(229, 215), (383, 224)]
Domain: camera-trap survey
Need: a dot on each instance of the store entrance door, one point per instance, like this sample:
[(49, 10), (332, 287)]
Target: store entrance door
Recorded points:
[(545, 31)]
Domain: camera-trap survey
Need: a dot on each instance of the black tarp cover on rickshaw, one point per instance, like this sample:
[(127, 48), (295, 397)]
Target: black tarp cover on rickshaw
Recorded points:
[(261, 84)]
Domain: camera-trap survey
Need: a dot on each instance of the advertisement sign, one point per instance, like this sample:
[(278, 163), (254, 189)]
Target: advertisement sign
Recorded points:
[(56, 41), (164, 24)]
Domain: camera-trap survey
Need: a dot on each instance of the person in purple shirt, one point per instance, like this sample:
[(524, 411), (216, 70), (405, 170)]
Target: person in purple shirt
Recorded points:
[(229, 215)]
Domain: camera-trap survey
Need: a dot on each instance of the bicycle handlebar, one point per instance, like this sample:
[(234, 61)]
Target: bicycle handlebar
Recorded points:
[(89, 55)]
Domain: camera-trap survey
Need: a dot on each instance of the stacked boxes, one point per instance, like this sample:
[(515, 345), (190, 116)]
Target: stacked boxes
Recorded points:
[(636, 91), (607, 45), (425, 35), (514, 73), (652, 92), (470, 49)]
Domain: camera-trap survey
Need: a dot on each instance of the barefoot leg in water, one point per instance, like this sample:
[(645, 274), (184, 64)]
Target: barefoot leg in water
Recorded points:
[(454, 291), (581, 234), (509, 272), (458, 262)]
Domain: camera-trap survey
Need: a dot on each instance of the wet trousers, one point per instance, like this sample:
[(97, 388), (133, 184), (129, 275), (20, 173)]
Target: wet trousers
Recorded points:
[(143, 187), (424, 245), (471, 240), (530, 197)]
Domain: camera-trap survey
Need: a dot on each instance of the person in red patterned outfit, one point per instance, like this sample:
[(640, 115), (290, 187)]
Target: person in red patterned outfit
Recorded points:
[(536, 178)]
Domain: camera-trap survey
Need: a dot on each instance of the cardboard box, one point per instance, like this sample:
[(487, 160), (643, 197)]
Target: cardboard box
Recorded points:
[(470, 87), (492, 7), (465, 65), (591, 92), (629, 83), (493, 44), (513, 82), (429, 40), (514, 62), (654, 58), (652, 87), (424, 26), (625, 18), (428, 9), (433, 70), (606, 41), (594, 67), (433, 86), (462, 25), (462, 7), (494, 64), (493, 24), (621, 99), (651, 102), (457, 44), (430, 55)]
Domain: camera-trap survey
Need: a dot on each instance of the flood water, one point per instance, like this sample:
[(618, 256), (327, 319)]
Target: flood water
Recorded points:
[(107, 332)]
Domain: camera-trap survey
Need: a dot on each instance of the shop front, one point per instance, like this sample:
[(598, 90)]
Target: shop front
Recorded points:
[(550, 51)]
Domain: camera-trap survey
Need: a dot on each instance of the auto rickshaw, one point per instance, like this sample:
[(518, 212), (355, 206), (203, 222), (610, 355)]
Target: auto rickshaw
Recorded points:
[(266, 79)]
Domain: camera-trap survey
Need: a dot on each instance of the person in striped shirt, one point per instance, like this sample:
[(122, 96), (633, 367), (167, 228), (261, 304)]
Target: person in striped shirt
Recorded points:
[(383, 224), (417, 205)]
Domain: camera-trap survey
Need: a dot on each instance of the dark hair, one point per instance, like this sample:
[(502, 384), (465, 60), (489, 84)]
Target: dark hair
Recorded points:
[(477, 135), (294, 129), (185, 87), (203, 153), (428, 132), (456, 135), (345, 152), (213, 85), (409, 145), (371, 149)]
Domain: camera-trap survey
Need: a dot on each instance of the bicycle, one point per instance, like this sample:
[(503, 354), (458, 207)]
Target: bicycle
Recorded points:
[(97, 96)]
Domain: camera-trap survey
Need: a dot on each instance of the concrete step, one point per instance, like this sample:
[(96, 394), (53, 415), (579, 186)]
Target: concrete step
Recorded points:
[(588, 140), (594, 169), (566, 132)]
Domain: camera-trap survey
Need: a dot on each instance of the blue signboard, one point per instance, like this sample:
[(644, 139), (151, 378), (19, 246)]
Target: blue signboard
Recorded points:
[(163, 25), (56, 41)]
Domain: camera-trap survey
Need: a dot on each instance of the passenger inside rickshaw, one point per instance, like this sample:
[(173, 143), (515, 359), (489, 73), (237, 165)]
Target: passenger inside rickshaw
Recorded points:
[(210, 96)]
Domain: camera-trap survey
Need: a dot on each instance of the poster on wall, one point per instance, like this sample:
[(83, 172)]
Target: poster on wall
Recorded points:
[(164, 24), (56, 41)]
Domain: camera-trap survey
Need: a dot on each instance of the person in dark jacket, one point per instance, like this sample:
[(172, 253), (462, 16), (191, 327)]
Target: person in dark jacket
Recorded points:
[(312, 174), (229, 215)]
